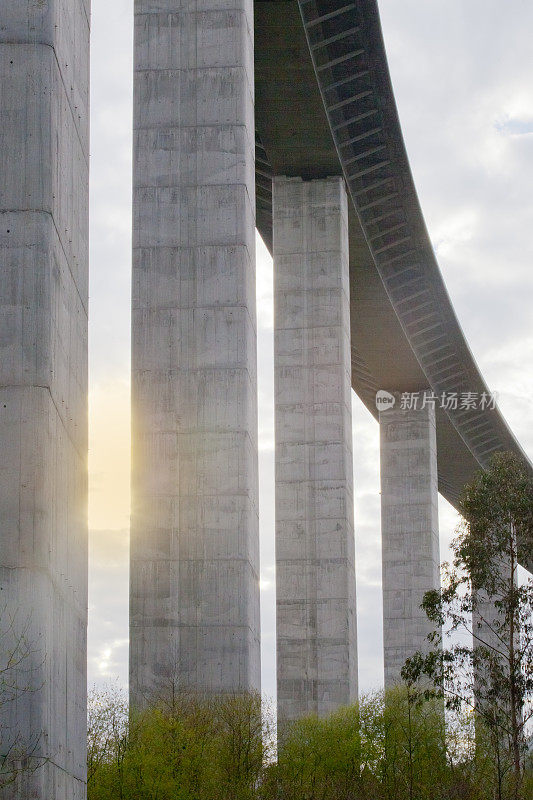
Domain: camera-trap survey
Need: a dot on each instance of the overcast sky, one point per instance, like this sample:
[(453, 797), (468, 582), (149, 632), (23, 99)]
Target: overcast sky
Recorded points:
[(461, 71)]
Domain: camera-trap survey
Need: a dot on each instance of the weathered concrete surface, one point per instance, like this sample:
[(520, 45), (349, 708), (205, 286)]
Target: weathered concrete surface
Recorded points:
[(410, 531), (44, 85), (194, 554), (491, 631), (316, 603)]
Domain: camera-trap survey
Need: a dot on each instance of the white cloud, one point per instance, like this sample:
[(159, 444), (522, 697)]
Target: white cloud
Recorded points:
[(107, 646)]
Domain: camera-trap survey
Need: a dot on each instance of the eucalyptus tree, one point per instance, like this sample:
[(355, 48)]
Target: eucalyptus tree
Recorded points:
[(489, 666)]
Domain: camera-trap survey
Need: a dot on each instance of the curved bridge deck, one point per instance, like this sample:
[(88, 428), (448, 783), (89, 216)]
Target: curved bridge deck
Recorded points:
[(325, 106)]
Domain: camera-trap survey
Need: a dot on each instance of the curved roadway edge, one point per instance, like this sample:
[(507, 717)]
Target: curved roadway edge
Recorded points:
[(347, 49), (394, 273)]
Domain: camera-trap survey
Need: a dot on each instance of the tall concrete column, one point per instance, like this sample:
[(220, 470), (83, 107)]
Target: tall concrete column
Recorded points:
[(491, 632), (194, 602), (487, 627), (44, 99), (410, 530), (316, 603)]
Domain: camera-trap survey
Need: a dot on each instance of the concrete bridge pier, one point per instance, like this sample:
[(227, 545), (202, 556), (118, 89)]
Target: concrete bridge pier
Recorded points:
[(410, 530), (491, 634), (44, 152), (194, 598), (316, 603)]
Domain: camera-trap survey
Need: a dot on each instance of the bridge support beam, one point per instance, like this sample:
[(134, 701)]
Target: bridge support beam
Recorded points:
[(316, 603), (44, 129), (194, 598), (410, 531)]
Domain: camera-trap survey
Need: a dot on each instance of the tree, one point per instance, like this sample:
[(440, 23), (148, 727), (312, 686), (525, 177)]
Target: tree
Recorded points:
[(107, 735), (414, 760), (492, 669), (185, 746), (190, 747), (18, 666), (386, 746), (318, 759)]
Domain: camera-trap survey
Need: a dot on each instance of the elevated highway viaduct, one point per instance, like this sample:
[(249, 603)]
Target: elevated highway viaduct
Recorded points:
[(275, 114), (325, 106), (299, 94)]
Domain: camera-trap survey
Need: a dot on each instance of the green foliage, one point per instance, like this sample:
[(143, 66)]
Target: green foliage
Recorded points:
[(388, 747), (319, 758), (492, 667), (414, 762), (385, 747), (498, 498), (184, 748)]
